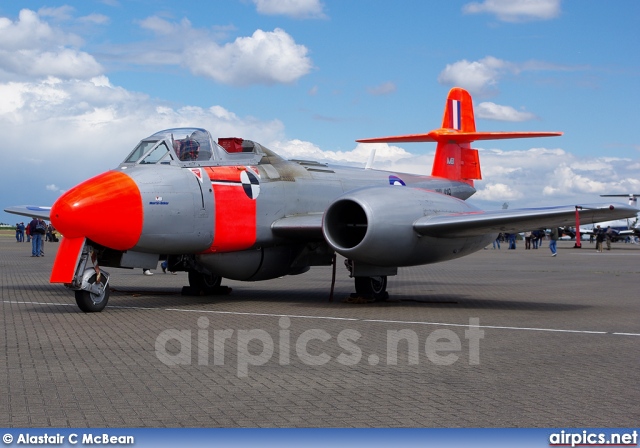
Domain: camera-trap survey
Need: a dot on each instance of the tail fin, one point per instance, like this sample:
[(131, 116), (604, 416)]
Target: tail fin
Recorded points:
[(455, 159)]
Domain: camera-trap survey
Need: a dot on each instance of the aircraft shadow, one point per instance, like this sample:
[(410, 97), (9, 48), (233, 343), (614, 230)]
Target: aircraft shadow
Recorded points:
[(171, 297)]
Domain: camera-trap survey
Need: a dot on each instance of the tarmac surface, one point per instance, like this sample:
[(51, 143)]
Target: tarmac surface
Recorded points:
[(556, 343)]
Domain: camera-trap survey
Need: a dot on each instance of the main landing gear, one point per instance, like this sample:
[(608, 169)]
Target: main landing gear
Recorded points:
[(369, 287), (202, 284), (372, 287)]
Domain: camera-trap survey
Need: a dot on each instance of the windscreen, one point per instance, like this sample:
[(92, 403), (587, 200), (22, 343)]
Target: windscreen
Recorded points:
[(140, 150)]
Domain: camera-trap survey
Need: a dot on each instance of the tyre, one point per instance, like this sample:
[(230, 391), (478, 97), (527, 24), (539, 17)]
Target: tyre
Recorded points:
[(373, 287), (203, 282), (90, 302)]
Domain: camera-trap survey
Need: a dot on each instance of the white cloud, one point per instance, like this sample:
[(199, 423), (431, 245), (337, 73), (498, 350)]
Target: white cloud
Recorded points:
[(32, 48), (95, 19), (161, 26), (516, 10), (493, 111), (298, 149), (383, 89), (58, 13), (497, 192), (266, 57), (479, 77), (29, 32), (542, 176), (298, 9)]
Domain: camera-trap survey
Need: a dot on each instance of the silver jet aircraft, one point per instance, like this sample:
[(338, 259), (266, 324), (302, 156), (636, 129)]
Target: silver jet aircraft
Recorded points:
[(235, 209)]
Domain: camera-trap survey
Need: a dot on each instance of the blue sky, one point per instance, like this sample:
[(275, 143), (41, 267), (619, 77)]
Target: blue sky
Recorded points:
[(82, 81)]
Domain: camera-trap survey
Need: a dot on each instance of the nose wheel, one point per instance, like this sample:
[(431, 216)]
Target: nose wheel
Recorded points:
[(95, 299)]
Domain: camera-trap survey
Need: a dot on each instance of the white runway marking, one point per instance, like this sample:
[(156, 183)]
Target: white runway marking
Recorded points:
[(298, 316), (38, 303), (259, 314)]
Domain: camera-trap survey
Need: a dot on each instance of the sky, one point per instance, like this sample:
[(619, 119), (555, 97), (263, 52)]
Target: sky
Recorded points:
[(81, 82)]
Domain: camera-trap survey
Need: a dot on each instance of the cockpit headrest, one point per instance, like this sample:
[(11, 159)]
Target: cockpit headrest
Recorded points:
[(188, 149)]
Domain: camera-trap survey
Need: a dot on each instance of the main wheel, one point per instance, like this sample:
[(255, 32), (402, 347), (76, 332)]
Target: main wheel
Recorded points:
[(90, 302), (374, 287), (203, 282)]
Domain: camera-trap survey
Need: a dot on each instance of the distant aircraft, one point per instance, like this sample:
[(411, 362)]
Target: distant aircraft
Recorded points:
[(624, 227), (236, 209)]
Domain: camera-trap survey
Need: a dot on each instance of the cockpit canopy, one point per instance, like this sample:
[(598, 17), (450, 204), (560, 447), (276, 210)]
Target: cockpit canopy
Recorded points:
[(182, 144), (186, 146)]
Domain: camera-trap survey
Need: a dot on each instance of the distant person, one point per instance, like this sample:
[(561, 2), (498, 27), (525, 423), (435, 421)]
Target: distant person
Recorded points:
[(599, 238), (17, 232), (49, 234), (608, 234), (41, 225), (496, 242), (553, 241), (37, 228), (527, 240), (512, 240), (27, 232)]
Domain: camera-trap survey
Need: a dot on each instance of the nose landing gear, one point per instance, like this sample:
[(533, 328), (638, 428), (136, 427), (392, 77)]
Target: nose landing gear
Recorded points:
[(94, 295)]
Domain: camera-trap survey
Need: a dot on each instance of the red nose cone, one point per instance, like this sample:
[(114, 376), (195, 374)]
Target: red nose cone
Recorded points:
[(106, 209)]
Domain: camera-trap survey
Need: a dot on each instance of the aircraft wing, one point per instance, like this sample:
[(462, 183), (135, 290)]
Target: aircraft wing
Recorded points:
[(633, 231), (303, 227), (518, 220), (30, 211)]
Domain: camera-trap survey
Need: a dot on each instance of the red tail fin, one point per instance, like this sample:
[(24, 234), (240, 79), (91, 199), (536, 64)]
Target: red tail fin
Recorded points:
[(455, 159)]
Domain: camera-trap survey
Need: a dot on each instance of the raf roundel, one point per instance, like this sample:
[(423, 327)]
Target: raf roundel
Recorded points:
[(395, 180), (250, 184)]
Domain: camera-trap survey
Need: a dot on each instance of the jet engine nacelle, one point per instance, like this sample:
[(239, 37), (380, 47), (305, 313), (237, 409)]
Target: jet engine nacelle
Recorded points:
[(375, 226)]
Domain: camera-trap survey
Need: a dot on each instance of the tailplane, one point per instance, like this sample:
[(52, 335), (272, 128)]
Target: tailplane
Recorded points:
[(633, 198), (455, 159)]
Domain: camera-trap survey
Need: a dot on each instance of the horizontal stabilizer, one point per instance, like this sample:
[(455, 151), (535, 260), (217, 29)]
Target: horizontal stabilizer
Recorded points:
[(447, 135), (518, 220), (33, 211)]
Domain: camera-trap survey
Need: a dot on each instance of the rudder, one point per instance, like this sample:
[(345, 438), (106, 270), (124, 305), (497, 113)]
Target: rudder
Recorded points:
[(456, 160), (458, 111)]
